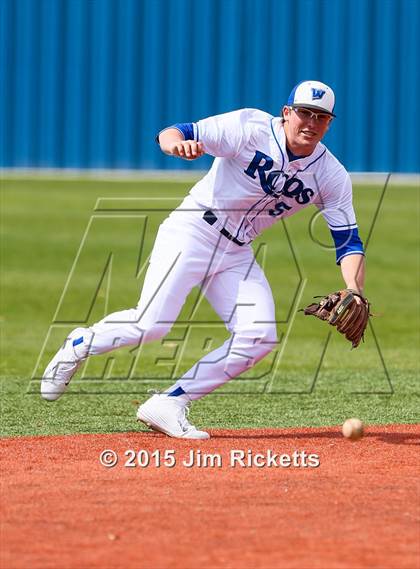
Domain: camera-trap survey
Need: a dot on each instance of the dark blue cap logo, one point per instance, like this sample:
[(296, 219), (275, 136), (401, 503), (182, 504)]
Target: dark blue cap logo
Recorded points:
[(317, 94)]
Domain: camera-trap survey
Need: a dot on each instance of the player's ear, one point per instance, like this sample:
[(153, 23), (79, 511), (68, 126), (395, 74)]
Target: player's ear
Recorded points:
[(285, 112)]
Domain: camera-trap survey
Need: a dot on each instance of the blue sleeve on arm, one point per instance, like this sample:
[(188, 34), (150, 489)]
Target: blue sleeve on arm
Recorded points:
[(185, 128), (347, 242)]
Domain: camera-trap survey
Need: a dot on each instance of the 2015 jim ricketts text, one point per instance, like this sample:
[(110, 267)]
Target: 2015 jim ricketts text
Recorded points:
[(196, 458)]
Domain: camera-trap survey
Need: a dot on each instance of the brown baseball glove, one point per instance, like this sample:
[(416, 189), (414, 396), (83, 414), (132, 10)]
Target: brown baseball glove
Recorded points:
[(342, 310)]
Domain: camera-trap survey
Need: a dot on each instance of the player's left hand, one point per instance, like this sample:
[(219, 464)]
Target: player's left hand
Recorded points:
[(347, 310)]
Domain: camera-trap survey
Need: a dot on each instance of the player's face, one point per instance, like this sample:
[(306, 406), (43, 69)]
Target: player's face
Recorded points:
[(304, 128)]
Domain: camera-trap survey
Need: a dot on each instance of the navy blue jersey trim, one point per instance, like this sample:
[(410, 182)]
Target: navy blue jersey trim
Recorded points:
[(282, 155), (278, 144), (269, 197), (292, 156), (265, 197), (313, 162)]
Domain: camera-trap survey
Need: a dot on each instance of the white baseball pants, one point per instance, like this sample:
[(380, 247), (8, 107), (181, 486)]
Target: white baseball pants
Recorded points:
[(189, 252)]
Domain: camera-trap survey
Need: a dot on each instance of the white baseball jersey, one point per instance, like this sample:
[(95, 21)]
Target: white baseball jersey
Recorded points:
[(252, 183)]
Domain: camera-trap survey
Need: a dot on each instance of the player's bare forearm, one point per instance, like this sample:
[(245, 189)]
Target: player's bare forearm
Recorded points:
[(353, 271), (172, 142)]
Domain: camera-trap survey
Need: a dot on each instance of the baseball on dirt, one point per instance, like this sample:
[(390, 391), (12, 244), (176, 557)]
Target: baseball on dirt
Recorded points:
[(353, 429)]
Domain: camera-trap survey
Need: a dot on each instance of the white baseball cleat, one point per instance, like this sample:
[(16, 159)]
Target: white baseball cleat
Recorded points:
[(169, 416), (64, 364)]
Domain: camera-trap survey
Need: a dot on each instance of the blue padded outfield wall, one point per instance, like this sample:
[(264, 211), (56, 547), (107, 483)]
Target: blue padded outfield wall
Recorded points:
[(88, 83)]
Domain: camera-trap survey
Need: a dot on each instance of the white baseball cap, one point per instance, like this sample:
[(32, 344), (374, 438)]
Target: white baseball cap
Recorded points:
[(313, 95)]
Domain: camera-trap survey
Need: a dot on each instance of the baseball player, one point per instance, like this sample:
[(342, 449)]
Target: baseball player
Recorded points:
[(266, 168)]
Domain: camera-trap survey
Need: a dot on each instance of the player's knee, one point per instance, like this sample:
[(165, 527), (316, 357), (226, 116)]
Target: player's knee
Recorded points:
[(268, 337), (259, 340), (146, 329), (250, 346), (151, 332)]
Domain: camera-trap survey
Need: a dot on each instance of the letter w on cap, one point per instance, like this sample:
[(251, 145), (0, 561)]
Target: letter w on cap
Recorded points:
[(317, 93)]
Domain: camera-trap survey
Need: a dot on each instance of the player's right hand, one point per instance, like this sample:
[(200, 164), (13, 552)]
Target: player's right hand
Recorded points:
[(187, 149)]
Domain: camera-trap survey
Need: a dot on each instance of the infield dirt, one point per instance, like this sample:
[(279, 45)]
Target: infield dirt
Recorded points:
[(62, 509)]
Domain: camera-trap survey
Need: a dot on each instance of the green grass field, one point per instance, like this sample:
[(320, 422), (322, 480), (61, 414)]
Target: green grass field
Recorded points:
[(311, 380)]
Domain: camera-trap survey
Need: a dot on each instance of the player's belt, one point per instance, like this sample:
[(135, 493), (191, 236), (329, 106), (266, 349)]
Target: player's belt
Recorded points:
[(211, 219)]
